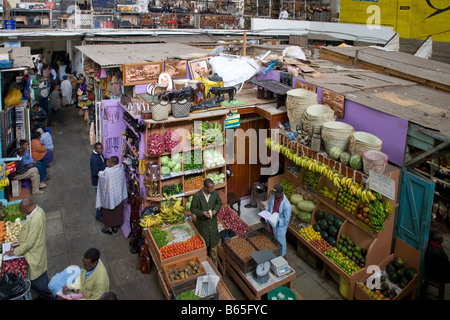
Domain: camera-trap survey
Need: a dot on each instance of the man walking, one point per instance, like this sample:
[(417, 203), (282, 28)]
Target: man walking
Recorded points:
[(55, 105), (97, 164), (32, 245), (206, 203)]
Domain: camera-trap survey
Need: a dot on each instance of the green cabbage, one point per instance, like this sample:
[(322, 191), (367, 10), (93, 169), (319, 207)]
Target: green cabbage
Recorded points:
[(165, 170), (171, 164), (177, 157), (177, 167), (165, 160)]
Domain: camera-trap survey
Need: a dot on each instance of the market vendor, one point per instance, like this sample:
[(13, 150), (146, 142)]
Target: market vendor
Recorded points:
[(206, 203), (279, 203)]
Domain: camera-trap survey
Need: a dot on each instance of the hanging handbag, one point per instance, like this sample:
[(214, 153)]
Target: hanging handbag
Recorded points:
[(181, 109), (160, 111)]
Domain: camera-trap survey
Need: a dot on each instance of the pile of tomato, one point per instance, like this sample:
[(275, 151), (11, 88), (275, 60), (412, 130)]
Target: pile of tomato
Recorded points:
[(176, 248)]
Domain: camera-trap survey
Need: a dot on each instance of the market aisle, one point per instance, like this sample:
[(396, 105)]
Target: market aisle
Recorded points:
[(69, 204)]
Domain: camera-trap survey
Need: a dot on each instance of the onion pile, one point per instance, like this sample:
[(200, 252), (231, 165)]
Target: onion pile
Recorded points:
[(155, 144), (231, 220), (172, 140), (18, 266)]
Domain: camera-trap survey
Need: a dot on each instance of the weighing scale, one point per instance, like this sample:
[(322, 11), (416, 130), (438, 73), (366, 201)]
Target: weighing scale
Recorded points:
[(262, 258), (279, 266)]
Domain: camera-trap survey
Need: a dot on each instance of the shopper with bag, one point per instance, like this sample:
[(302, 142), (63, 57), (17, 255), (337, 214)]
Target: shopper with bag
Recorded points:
[(32, 245)]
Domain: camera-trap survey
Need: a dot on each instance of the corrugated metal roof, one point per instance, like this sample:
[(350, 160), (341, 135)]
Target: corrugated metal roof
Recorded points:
[(117, 55), (20, 55)]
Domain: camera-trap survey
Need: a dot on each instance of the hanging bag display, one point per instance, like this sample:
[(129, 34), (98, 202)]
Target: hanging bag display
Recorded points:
[(160, 110), (181, 109)]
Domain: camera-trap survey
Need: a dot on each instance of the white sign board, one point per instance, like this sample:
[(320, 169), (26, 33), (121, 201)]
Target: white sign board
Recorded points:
[(382, 184)]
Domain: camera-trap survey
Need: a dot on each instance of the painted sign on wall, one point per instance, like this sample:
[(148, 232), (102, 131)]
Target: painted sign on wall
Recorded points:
[(412, 19)]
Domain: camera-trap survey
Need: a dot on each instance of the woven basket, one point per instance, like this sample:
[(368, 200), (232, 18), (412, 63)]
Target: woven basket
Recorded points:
[(181, 109), (160, 111), (317, 114), (297, 100), (336, 134), (361, 141), (374, 160)]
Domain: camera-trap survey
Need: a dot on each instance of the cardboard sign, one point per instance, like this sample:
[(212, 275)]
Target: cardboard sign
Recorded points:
[(382, 184)]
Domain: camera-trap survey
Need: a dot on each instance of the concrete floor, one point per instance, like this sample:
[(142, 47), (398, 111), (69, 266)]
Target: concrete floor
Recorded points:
[(69, 204)]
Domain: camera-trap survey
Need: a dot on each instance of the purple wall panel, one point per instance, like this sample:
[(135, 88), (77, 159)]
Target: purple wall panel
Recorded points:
[(390, 129), (112, 128)]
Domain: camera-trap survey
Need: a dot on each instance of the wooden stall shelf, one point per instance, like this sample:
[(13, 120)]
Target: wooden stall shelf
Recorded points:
[(411, 258), (178, 265)]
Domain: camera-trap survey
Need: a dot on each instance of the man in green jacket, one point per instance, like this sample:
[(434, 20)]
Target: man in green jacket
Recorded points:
[(94, 280), (206, 203), (32, 245)]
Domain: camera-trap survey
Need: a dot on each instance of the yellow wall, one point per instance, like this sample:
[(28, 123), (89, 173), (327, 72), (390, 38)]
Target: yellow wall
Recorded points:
[(415, 23)]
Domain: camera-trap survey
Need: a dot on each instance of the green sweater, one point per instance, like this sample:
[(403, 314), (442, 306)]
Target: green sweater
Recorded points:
[(32, 243), (207, 226)]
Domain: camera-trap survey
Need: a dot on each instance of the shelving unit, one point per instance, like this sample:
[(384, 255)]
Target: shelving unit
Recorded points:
[(377, 244), (183, 126), (26, 15)]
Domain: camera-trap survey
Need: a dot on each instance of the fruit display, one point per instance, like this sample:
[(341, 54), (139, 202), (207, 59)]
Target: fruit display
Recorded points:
[(177, 248), (342, 261), (230, 220), (191, 268), (352, 250), (398, 274), (363, 214), (328, 226), (296, 224), (206, 134), (192, 160), (379, 212), (288, 189), (311, 179), (192, 183), (315, 239), (385, 292), (347, 201), (327, 193), (171, 212)]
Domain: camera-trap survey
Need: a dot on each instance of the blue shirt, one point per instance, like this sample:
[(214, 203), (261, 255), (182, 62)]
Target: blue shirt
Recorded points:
[(27, 159), (89, 272), (47, 141)]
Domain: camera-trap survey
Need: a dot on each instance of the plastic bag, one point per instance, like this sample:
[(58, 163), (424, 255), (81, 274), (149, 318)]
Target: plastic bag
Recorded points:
[(149, 210), (11, 286), (13, 97), (234, 71), (294, 52)]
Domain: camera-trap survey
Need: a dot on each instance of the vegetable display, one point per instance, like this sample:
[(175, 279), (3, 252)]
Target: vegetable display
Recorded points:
[(160, 236), (191, 268), (170, 164), (155, 144), (171, 140), (177, 248), (193, 183), (207, 134), (213, 158), (18, 266), (188, 295), (216, 178), (231, 220), (172, 189), (193, 160), (13, 230)]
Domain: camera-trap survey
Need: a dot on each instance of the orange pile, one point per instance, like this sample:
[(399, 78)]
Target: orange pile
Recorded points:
[(176, 248)]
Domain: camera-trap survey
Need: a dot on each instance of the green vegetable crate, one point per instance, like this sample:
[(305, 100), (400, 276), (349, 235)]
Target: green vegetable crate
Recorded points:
[(187, 285)]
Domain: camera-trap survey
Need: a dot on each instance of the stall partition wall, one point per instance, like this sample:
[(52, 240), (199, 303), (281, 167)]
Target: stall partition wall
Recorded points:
[(112, 128)]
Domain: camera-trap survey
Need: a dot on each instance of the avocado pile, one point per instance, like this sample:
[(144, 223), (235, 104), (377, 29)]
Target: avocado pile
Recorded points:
[(398, 274), (352, 250), (328, 225)]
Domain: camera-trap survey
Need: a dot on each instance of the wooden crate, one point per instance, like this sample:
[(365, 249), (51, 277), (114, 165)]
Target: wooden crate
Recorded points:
[(179, 264), (156, 254), (243, 265), (308, 256)]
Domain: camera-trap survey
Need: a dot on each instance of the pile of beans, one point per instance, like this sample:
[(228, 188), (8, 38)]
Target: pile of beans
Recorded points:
[(263, 242), (241, 247)]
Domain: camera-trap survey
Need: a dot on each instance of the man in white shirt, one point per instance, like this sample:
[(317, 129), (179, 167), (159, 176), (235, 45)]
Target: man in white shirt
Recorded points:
[(283, 14), (66, 92)]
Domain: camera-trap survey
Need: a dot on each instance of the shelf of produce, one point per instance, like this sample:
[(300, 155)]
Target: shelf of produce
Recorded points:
[(156, 254), (411, 258)]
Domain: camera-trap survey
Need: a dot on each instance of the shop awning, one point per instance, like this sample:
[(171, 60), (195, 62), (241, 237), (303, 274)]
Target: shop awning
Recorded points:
[(117, 55)]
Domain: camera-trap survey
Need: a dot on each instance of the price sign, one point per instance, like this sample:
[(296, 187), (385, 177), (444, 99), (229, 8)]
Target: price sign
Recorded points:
[(382, 184)]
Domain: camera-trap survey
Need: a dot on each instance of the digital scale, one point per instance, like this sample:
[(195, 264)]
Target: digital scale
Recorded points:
[(279, 266)]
